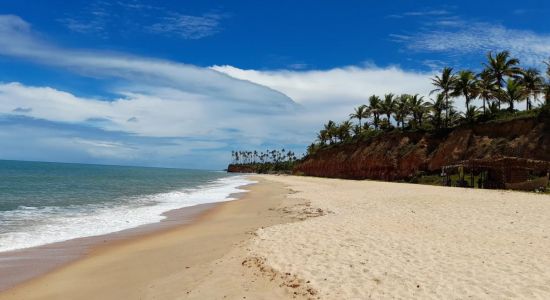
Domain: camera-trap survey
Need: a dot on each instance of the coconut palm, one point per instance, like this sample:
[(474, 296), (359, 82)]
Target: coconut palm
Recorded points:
[(465, 86), (444, 84), (361, 112), (374, 109), (323, 136), (330, 129), (471, 114), (500, 66), (387, 106), (418, 108), (513, 92), (486, 88), (343, 131), (436, 107), (401, 110), (533, 83)]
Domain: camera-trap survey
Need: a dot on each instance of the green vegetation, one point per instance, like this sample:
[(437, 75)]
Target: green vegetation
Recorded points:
[(270, 161), (501, 85)]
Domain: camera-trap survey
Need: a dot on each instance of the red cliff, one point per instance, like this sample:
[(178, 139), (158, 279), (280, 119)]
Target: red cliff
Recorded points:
[(401, 155)]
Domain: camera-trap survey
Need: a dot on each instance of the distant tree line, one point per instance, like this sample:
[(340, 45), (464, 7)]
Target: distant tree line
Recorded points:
[(501, 82), (265, 162)]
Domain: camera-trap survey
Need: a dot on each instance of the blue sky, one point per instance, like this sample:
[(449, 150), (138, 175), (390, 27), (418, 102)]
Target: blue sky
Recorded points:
[(181, 84)]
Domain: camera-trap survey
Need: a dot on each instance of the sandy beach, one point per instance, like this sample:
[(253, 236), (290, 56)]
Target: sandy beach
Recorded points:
[(313, 238)]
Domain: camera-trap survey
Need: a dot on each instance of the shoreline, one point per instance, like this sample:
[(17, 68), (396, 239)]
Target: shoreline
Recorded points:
[(174, 262), (29, 263)]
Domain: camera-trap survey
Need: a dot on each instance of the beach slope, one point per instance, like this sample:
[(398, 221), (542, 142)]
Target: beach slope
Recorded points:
[(315, 238)]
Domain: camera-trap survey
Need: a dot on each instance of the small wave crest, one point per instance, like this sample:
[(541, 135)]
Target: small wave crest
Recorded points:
[(34, 226)]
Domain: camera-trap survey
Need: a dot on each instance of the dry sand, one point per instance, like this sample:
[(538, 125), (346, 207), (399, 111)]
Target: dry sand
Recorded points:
[(328, 239), (389, 240)]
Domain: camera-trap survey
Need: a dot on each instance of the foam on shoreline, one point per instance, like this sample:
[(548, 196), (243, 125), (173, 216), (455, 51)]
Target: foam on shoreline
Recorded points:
[(55, 224)]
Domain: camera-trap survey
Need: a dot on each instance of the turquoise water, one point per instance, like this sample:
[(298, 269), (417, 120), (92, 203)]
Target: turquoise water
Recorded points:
[(42, 203)]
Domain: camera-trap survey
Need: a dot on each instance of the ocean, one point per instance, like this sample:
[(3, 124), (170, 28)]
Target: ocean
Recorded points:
[(42, 203)]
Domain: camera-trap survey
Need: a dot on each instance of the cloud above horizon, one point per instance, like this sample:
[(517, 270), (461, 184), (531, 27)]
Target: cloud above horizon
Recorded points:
[(166, 109)]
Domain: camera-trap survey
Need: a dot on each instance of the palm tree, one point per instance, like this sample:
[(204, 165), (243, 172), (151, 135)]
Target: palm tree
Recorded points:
[(444, 84), (374, 109), (514, 92), (360, 112), (437, 106), (388, 105), (343, 131), (466, 86), (486, 88), (330, 129), (533, 83), (471, 114), (418, 108), (501, 66), (322, 136), (401, 110)]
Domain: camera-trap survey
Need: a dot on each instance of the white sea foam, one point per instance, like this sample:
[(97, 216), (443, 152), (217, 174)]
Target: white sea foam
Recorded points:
[(40, 226)]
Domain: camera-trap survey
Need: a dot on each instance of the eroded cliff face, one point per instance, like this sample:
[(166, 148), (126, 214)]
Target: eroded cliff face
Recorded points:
[(396, 155)]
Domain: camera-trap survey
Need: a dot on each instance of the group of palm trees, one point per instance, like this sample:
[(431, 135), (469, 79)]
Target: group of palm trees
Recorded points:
[(501, 81), (269, 156)]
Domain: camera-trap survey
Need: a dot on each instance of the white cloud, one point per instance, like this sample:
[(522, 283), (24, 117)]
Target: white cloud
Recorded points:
[(197, 108), (458, 36), (347, 85)]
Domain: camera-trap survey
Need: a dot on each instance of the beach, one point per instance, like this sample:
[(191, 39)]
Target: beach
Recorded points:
[(315, 238)]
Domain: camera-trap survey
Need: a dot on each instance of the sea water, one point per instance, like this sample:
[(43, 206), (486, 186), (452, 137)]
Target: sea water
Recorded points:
[(42, 203)]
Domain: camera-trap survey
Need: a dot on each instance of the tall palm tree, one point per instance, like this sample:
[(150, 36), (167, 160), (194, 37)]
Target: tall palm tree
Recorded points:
[(322, 136), (514, 92), (444, 84), (374, 109), (343, 131), (436, 107), (533, 83), (387, 106), (466, 86), (330, 129), (487, 88), (500, 66), (361, 112), (418, 108), (401, 110)]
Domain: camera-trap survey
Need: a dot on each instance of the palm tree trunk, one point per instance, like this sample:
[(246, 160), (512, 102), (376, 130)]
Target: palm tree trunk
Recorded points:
[(446, 110), (484, 111)]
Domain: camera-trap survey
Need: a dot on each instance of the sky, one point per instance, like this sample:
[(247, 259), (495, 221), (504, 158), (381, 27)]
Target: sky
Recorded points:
[(183, 83)]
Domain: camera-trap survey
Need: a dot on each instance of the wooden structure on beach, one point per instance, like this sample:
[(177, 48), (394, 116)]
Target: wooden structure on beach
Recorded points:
[(501, 173)]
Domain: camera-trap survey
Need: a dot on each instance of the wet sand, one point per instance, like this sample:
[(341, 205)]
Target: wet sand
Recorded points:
[(203, 259), (21, 265)]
